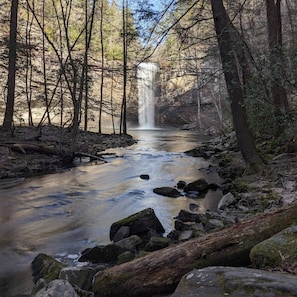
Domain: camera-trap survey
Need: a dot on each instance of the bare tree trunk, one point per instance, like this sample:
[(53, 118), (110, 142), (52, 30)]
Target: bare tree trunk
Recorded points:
[(8, 117), (123, 124), (29, 67), (86, 84), (111, 99), (44, 68), (278, 91), (160, 271), (244, 137), (102, 66)]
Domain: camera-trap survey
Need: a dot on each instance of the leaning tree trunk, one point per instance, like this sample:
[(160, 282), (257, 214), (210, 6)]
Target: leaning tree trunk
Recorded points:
[(244, 137), (161, 271)]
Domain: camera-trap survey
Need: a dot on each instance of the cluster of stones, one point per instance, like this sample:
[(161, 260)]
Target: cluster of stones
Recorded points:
[(141, 233)]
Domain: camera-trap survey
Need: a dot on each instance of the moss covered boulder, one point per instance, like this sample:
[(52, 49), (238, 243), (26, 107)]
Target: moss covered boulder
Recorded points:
[(46, 267), (276, 251)]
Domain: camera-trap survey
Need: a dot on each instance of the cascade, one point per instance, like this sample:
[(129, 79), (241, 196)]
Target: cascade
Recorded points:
[(146, 74)]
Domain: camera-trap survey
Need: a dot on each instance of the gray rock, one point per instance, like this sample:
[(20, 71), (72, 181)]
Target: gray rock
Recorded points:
[(157, 243), (140, 223), (199, 185), (226, 201), (186, 235), (168, 192), (125, 257), (214, 225), (130, 243), (57, 288), (186, 216), (276, 251), (102, 254), (236, 282), (79, 276), (46, 267), (122, 233), (40, 284)]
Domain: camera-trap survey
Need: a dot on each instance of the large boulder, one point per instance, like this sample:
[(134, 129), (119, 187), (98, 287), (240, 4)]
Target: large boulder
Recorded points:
[(145, 224), (235, 282), (57, 288), (276, 251), (46, 267)]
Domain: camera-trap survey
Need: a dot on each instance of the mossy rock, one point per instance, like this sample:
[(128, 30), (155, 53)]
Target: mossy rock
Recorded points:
[(46, 267), (276, 251), (140, 223), (126, 257)]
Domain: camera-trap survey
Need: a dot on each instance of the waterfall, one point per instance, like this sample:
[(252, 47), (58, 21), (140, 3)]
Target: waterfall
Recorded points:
[(146, 74)]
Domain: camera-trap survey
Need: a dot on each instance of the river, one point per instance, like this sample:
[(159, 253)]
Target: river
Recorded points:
[(61, 214)]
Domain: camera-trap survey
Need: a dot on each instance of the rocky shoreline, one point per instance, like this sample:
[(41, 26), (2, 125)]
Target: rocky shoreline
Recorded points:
[(244, 196)]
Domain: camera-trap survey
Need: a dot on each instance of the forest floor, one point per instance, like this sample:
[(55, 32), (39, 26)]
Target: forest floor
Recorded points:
[(274, 186), (31, 151)]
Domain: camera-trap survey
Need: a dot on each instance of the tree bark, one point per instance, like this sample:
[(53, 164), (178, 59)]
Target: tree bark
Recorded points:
[(244, 136), (160, 272), (8, 117), (274, 28)]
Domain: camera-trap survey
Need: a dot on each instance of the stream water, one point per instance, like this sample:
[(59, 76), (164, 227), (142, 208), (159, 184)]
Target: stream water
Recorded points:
[(62, 214)]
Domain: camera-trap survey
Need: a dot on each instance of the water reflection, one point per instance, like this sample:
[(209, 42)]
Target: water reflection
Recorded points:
[(63, 213)]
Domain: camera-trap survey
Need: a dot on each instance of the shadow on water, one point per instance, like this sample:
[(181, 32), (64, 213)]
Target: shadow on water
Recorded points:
[(62, 214)]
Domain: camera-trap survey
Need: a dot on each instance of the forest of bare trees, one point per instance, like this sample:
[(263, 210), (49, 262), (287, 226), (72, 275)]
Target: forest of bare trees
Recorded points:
[(73, 63)]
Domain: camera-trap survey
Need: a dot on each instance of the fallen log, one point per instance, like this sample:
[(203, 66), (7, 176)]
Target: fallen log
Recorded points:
[(37, 148), (160, 272)]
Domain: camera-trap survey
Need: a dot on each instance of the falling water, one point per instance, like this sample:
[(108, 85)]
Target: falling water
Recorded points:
[(146, 73)]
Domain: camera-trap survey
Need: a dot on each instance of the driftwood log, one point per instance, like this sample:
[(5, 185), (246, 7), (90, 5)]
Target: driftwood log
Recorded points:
[(160, 272)]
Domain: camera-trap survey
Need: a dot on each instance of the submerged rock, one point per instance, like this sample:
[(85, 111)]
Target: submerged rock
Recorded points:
[(144, 176), (235, 282), (168, 192)]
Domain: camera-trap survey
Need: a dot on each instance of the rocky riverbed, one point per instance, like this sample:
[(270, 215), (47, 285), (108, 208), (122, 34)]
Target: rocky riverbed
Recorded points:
[(244, 196)]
